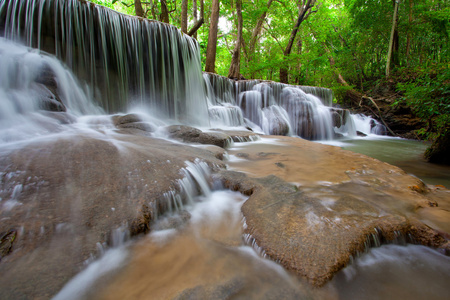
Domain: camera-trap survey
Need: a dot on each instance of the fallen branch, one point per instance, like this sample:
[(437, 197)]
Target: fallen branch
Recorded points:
[(379, 115)]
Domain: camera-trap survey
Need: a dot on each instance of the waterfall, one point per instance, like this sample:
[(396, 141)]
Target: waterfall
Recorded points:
[(271, 107), (125, 60), (367, 125)]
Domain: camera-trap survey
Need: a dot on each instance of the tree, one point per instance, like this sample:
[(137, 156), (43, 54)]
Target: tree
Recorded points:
[(305, 9), (212, 37), (198, 23), (234, 71), (257, 31), (164, 16), (138, 8), (393, 41), (184, 17)]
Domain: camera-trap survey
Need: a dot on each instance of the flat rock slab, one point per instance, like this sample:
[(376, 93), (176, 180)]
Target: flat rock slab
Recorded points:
[(326, 204)]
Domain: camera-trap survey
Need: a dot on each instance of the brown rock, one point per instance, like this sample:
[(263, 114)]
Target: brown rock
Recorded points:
[(65, 196), (341, 204), (193, 135)]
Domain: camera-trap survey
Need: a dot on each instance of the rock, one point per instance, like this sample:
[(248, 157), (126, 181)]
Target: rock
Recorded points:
[(6, 242), (239, 136), (193, 135), (129, 122), (349, 203), (439, 151), (66, 195), (126, 119), (47, 89), (360, 133), (139, 125)]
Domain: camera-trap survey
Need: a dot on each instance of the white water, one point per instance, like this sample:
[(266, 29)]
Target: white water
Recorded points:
[(23, 96), (368, 125), (270, 107)]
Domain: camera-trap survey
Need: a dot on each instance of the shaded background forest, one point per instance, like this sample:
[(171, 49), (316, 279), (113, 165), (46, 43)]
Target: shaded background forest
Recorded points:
[(386, 52)]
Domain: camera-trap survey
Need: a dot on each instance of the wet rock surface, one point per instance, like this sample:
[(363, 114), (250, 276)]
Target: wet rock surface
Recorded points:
[(320, 210), (311, 207), (64, 196), (216, 137), (130, 122)]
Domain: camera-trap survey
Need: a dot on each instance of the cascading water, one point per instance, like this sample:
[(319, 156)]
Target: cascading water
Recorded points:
[(126, 61), (271, 108), (367, 125), (32, 87), (129, 62)]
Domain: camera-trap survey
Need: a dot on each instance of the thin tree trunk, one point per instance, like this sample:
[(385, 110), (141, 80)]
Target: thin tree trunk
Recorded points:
[(198, 23), (184, 18), (304, 12), (299, 66), (234, 71), (164, 17), (195, 16), (257, 31), (212, 38), (392, 40), (408, 37), (138, 8)]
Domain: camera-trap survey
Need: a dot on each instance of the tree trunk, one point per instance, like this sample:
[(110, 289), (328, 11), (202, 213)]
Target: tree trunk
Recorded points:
[(138, 8), (195, 16), (304, 11), (392, 41), (234, 71), (184, 18), (212, 38), (198, 23), (164, 17), (299, 66), (256, 32), (408, 37)]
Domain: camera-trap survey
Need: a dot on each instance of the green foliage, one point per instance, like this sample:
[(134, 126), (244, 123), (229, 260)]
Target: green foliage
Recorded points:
[(428, 94)]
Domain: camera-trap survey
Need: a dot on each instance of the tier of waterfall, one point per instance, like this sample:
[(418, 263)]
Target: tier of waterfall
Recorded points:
[(130, 62), (272, 107), (124, 60)]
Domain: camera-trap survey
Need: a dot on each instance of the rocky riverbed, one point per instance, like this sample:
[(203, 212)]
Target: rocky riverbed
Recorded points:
[(311, 207)]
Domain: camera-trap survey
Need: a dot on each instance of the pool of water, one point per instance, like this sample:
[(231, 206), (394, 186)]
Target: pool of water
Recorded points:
[(403, 153)]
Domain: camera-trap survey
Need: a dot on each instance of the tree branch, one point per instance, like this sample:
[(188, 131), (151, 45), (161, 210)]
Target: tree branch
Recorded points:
[(196, 26)]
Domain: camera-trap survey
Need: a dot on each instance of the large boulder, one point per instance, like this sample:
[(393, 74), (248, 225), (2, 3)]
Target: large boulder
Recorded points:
[(326, 205)]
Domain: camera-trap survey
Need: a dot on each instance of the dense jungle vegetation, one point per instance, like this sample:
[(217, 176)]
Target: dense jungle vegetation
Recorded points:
[(355, 47)]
